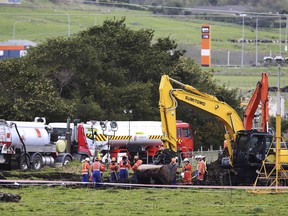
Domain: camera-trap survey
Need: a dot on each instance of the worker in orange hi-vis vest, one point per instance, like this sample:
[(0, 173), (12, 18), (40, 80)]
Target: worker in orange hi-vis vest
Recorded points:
[(114, 167), (124, 165), (97, 167), (85, 170), (187, 169), (201, 171), (137, 163)]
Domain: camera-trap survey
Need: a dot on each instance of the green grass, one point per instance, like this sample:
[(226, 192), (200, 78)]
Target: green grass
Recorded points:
[(66, 201), (249, 82), (51, 20), (246, 78)]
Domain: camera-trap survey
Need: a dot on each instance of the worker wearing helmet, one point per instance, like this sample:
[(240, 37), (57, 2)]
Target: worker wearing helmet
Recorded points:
[(114, 167), (201, 170), (124, 165), (96, 172), (85, 170), (187, 169), (137, 163)]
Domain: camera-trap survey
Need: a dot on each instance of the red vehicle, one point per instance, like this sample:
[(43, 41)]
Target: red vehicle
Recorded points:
[(142, 138), (115, 138)]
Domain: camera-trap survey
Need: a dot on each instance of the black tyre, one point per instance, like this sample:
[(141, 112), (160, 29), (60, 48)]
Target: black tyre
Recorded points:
[(24, 162), (37, 162), (67, 160)]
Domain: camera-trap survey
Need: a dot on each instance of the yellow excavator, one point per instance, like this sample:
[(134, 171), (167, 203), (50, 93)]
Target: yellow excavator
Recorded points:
[(245, 148)]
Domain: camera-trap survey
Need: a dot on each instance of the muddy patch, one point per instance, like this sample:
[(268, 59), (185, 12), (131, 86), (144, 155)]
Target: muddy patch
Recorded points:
[(51, 176), (8, 197)]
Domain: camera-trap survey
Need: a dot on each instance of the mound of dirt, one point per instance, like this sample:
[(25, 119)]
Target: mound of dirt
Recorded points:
[(7, 197), (44, 176)]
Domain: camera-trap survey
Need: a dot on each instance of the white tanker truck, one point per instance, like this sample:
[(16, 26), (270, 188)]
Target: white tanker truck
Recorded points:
[(115, 138), (143, 138), (30, 144)]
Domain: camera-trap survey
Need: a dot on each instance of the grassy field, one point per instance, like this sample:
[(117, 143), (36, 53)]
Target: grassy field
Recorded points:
[(39, 20), (36, 21), (249, 82), (61, 200), (67, 201)]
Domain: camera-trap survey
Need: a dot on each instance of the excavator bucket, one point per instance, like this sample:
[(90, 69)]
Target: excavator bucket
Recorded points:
[(156, 174)]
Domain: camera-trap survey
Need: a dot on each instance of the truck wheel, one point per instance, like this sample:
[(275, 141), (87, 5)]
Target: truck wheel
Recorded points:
[(37, 162), (67, 160), (24, 163)]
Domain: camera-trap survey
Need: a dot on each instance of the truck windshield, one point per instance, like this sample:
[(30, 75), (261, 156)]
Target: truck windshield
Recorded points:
[(183, 132)]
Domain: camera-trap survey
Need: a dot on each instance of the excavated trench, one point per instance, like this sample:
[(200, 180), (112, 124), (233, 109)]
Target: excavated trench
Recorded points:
[(51, 176)]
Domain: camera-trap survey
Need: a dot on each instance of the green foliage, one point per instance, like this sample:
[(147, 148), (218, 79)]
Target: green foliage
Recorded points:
[(284, 124), (27, 93), (101, 71)]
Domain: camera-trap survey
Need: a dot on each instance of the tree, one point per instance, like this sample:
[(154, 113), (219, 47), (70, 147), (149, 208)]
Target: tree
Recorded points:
[(130, 63), (26, 93), (101, 71)]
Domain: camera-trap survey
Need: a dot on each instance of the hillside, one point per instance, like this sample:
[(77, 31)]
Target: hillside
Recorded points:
[(37, 20)]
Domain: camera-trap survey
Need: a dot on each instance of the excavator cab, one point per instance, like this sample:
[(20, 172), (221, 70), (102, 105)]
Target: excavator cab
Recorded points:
[(249, 151), (251, 147)]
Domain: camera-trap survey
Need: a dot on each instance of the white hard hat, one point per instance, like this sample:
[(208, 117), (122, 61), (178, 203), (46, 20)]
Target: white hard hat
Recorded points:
[(87, 159), (186, 160)]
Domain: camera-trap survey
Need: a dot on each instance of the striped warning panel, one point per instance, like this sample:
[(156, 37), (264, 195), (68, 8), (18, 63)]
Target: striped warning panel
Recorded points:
[(120, 137), (99, 137), (155, 136)]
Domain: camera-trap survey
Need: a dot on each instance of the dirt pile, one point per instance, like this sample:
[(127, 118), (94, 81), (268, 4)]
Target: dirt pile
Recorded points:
[(217, 175), (50, 176), (7, 197)]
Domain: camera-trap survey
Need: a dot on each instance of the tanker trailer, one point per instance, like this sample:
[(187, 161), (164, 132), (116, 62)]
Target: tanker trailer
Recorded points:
[(116, 138), (142, 138), (30, 144)]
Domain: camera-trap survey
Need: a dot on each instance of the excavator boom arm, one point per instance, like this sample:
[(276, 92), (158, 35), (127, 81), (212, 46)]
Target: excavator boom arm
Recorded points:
[(210, 104), (259, 94), (167, 106)]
